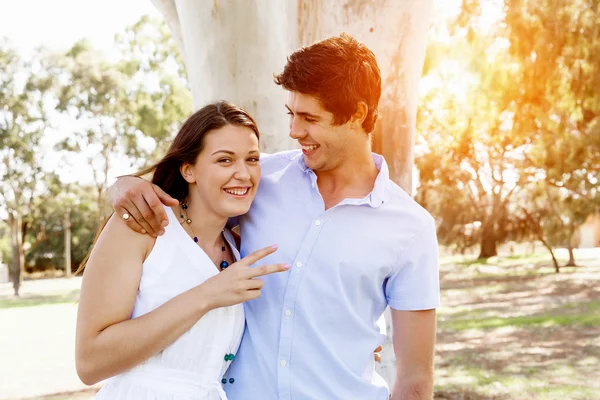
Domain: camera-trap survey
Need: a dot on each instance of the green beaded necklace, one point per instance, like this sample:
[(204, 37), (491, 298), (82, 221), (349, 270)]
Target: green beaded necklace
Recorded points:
[(224, 264), (184, 218)]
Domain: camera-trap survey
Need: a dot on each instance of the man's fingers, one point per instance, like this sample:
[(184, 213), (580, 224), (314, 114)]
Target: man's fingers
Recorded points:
[(135, 215), (131, 222), (257, 255), (267, 269), (155, 201), (155, 214), (165, 198), (377, 354), (143, 214)]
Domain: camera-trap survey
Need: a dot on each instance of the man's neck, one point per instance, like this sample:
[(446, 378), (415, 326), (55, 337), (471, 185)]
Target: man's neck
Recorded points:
[(353, 179)]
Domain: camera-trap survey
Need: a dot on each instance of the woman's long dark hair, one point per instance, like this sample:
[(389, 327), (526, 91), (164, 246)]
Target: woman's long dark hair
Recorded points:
[(185, 148)]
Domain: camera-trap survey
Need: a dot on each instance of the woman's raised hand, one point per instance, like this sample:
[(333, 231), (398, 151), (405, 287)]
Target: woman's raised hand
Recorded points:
[(239, 283)]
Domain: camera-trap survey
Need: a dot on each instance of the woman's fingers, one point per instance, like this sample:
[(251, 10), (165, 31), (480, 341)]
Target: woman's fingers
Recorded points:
[(267, 269), (257, 255)]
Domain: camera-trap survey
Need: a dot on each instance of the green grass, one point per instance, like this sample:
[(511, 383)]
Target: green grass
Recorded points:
[(485, 384), (33, 301), (571, 314)]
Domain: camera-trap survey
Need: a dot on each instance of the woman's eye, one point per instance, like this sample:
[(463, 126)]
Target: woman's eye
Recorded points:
[(254, 159), (225, 160)]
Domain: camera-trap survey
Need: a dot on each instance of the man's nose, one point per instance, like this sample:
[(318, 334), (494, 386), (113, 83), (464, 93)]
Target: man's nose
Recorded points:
[(296, 129)]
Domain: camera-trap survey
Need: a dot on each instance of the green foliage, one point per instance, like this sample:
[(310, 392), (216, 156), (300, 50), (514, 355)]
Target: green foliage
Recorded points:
[(510, 123), (158, 88), (25, 97), (123, 110), (46, 235)]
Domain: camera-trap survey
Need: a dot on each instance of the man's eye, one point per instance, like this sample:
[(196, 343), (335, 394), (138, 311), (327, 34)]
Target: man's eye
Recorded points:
[(310, 120)]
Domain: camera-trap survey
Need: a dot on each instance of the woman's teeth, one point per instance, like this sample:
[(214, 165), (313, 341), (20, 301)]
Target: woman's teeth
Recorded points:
[(237, 192), (310, 148)]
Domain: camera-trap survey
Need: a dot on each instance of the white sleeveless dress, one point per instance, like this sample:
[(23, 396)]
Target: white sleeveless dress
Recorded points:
[(192, 367)]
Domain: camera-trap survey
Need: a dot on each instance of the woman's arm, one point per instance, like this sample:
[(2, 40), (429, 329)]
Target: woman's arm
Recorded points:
[(107, 341)]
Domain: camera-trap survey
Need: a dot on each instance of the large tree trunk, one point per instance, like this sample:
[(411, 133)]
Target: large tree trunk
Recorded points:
[(232, 49), (396, 31), (488, 243), (17, 264)]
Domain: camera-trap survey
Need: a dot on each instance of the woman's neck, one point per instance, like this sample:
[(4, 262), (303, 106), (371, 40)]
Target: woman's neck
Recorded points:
[(206, 225)]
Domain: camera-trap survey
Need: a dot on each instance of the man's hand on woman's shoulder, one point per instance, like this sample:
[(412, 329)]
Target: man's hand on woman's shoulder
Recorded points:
[(140, 204)]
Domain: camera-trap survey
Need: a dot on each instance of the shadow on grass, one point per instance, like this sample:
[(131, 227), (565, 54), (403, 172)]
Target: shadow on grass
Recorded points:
[(32, 301)]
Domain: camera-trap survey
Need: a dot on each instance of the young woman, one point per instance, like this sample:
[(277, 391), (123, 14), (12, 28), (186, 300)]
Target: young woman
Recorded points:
[(162, 316)]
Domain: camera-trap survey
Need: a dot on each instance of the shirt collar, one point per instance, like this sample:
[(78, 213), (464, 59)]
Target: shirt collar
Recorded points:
[(380, 189)]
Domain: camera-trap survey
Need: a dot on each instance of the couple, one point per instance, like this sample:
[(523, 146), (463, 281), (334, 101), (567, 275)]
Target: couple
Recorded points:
[(332, 238)]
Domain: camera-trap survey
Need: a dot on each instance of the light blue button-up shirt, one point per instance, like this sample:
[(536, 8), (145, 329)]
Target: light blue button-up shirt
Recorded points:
[(312, 332)]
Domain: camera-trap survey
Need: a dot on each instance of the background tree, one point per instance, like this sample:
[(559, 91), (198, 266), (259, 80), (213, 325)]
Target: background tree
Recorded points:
[(561, 57), (509, 106), (45, 238), (470, 152), (157, 85), (243, 44), (25, 96)]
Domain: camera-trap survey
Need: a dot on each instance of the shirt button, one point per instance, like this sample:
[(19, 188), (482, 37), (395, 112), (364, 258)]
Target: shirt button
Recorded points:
[(299, 264), (317, 222), (288, 312), (283, 363), (313, 184)]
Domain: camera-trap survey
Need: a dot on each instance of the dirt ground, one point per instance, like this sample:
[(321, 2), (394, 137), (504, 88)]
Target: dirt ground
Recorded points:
[(514, 331)]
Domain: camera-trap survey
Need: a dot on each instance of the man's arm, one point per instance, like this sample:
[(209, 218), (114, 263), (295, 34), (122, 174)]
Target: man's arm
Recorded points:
[(138, 203), (413, 336)]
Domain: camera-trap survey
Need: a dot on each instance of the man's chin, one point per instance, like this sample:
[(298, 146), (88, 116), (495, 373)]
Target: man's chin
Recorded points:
[(312, 163)]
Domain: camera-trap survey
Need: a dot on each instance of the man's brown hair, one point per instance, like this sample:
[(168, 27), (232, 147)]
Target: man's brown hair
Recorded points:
[(340, 72)]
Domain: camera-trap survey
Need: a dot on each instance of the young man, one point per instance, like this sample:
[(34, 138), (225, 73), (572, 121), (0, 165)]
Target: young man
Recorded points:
[(356, 242)]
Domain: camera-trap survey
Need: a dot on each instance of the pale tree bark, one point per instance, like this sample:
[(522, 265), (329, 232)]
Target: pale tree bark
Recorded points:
[(396, 31), (232, 49)]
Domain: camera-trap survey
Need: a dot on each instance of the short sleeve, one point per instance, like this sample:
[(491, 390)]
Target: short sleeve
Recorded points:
[(415, 284)]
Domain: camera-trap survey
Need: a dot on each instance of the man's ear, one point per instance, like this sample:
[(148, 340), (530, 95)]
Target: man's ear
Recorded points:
[(187, 172), (360, 115)]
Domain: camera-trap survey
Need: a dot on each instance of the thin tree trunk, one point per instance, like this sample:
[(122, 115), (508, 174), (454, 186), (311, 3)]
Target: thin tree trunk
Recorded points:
[(554, 260), (571, 262), (18, 254)]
